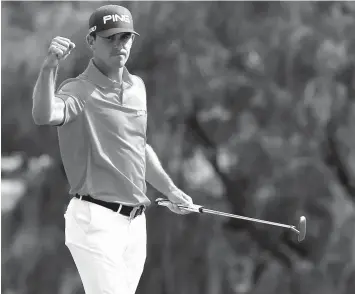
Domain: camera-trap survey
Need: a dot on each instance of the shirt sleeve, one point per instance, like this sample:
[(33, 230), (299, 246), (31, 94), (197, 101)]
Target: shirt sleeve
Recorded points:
[(71, 92)]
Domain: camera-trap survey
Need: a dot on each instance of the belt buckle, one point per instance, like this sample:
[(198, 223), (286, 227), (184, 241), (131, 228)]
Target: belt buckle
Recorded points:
[(138, 210), (133, 213)]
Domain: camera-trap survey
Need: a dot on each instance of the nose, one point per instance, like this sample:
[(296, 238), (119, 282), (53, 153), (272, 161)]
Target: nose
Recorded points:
[(118, 45)]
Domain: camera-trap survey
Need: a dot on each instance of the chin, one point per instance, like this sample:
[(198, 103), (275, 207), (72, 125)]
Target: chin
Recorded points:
[(119, 62)]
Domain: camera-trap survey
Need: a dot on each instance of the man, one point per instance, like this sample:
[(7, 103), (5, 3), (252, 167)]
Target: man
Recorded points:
[(101, 118)]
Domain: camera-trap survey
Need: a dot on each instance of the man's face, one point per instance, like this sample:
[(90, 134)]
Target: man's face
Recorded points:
[(114, 50)]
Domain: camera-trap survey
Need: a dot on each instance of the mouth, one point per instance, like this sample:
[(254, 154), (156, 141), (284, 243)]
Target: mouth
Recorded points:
[(118, 53)]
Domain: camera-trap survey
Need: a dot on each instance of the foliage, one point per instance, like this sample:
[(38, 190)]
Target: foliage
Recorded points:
[(251, 110)]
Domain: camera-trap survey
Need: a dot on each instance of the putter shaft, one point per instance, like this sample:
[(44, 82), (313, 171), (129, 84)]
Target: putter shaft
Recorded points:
[(210, 211), (301, 230)]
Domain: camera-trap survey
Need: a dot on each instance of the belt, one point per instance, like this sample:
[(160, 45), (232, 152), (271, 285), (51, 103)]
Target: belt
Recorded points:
[(116, 207)]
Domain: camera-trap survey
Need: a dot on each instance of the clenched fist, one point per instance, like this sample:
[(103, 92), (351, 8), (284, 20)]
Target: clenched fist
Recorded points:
[(59, 49)]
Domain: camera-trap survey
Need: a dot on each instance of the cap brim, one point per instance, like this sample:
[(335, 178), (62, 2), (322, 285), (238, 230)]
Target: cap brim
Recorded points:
[(113, 31)]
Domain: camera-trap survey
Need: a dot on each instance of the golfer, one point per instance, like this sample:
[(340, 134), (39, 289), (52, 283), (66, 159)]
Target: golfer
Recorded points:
[(101, 118)]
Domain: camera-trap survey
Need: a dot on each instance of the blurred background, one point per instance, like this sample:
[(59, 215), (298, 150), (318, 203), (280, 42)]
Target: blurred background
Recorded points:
[(251, 111)]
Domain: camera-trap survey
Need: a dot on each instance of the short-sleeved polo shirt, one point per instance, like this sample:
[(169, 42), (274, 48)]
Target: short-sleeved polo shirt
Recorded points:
[(102, 139)]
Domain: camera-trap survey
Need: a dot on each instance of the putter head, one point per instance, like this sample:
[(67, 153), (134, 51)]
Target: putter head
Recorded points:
[(302, 228)]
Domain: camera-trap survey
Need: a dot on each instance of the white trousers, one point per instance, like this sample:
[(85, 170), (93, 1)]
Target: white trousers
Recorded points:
[(108, 248)]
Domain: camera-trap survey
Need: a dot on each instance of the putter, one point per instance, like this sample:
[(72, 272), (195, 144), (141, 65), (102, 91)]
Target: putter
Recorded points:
[(300, 230)]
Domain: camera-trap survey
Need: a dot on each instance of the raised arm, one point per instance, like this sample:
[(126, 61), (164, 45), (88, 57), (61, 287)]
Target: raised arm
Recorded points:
[(48, 109)]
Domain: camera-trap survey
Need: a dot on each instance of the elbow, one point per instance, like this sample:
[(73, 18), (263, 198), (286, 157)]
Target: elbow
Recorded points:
[(40, 119)]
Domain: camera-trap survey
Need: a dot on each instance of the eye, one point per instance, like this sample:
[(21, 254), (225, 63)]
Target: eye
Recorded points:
[(125, 36), (111, 38)]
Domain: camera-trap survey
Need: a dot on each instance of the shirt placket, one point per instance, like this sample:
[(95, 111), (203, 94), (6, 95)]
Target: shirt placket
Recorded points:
[(119, 91)]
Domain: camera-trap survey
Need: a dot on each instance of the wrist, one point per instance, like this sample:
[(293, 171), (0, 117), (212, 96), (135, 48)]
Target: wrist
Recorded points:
[(172, 188), (48, 68), (49, 65)]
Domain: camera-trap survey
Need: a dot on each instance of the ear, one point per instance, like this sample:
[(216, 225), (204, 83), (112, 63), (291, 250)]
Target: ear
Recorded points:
[(90, 40)]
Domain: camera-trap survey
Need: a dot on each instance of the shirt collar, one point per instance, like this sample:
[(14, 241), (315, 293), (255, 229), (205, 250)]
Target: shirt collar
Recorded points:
[(93, 74)]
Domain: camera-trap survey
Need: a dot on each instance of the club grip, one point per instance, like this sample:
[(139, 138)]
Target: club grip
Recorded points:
[(162, 201), (166, 202)]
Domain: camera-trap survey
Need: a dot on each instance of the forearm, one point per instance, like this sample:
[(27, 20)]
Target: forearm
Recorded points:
[(155, 173), (44, 95)]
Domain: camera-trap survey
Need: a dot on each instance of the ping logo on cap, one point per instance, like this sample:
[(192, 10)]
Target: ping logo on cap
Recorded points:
[(116, 17)]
